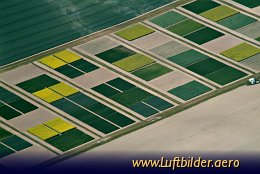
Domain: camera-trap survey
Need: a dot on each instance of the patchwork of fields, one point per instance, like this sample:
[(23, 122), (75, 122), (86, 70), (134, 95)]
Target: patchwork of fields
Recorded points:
[(145, 68), (91, 91), (226, 16)]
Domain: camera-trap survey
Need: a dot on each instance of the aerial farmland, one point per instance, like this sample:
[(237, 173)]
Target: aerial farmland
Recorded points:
[(80, 77)]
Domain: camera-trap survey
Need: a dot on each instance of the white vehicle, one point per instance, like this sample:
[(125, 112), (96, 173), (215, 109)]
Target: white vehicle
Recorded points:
[(253, 81)]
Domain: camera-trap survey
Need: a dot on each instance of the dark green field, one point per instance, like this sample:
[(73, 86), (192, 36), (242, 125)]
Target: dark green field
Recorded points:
[(152, 71), (11, 142), (69, 140), (204, 35), (69, 71), (200, 6), (206, 66), (116, 54), (249, 3), (131, 96), (190, 90), (49, 24), (10, 101)]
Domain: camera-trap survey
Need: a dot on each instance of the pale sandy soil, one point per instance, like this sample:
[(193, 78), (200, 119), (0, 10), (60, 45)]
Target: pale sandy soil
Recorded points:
[(257, 10), (151, 41), (97, 46), (253, 62), (251, 30), (227, 123), (171, 80), (222, 43), (95, 78)]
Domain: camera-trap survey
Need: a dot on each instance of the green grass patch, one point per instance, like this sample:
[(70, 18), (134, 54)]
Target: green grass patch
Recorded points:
[(69, 71), (249, 3), (143, 109), (226, 75), (8, 113), (190, 90), (106, 90), (204, 35), (152, 72), (237, 21), (168, 19), (185, 27), (188, 57), (258, 39), (84, 65), (218, 13), (158, 103), (4, 134), (131, 96), (69, 140), (201, 6), (5, 151), (121, 84), (241, 52), (16, 143), (135, 32), (206, 66), (119, 119), (116, 54), (37, 83), (23, 106), (133, 62)]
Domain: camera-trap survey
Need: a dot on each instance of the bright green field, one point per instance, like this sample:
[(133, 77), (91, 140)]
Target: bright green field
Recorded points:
[(134, 32), (151, 72), (241, 52), (219, 13), (133, 62)]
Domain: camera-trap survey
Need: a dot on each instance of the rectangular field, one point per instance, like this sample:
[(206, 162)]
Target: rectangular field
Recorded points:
[(201, 6), (134, 62), (152, 72), (134, 32), (185, 27), (190, 90), (11, 142), (218, 13), (168, 19), (204, 35), (241, 52)]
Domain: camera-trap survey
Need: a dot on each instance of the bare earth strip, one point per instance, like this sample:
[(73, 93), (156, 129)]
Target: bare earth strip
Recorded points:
[(227, 123), (171, 80), (253, 62), (223, 43), (151, 41)]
